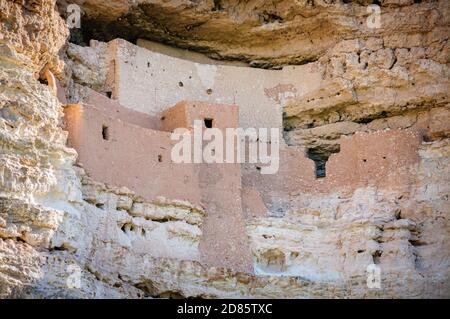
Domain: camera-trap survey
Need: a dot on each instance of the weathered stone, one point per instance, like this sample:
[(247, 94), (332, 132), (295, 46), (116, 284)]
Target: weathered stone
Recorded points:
[(35, 30)]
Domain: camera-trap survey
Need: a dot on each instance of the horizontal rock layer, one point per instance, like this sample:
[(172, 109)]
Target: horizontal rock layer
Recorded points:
[(263, 33)]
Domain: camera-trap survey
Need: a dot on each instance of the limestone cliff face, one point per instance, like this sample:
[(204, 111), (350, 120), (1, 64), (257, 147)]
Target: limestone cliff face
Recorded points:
[(63, 234), (266, 33), (34, 29), (372, 85)]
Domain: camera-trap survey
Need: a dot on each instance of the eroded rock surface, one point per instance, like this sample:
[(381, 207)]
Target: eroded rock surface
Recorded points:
[(35, 29), (264, 33)]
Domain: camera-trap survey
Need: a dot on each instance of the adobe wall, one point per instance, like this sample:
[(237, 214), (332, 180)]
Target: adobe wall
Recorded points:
[(132, 156), (139, 158), (113, 109), (151, 82), (224, 241), (184, 113), (382, 159)]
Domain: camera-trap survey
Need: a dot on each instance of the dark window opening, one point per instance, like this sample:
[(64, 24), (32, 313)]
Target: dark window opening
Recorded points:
[(269, 17), (372, 117), (208, 123), (376, 257), (320, 156), (217, 6), (105, 132)]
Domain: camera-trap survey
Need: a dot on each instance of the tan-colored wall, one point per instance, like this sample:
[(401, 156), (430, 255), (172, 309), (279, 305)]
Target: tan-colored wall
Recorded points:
[(184, 113), (224, 241), (151, 82), (130, 158), (382, 159), (113, 109)]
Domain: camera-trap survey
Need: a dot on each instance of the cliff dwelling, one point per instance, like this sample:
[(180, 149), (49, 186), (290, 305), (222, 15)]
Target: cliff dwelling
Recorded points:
[(89, 184)]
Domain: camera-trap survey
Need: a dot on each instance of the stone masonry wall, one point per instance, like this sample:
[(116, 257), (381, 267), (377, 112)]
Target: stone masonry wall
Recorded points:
[(121, 153)]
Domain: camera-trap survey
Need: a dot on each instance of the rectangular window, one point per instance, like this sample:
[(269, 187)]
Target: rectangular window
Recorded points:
[(208, 123), (105, 132)]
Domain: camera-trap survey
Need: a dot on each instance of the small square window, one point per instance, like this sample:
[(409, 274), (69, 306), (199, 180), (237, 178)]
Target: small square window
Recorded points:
[(208, 123), (105, 132)]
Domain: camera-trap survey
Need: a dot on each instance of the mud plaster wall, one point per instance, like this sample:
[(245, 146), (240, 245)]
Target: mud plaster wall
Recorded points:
[(151, 82), (140, 159), (382, 159), (113, 109), (184, 113)]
